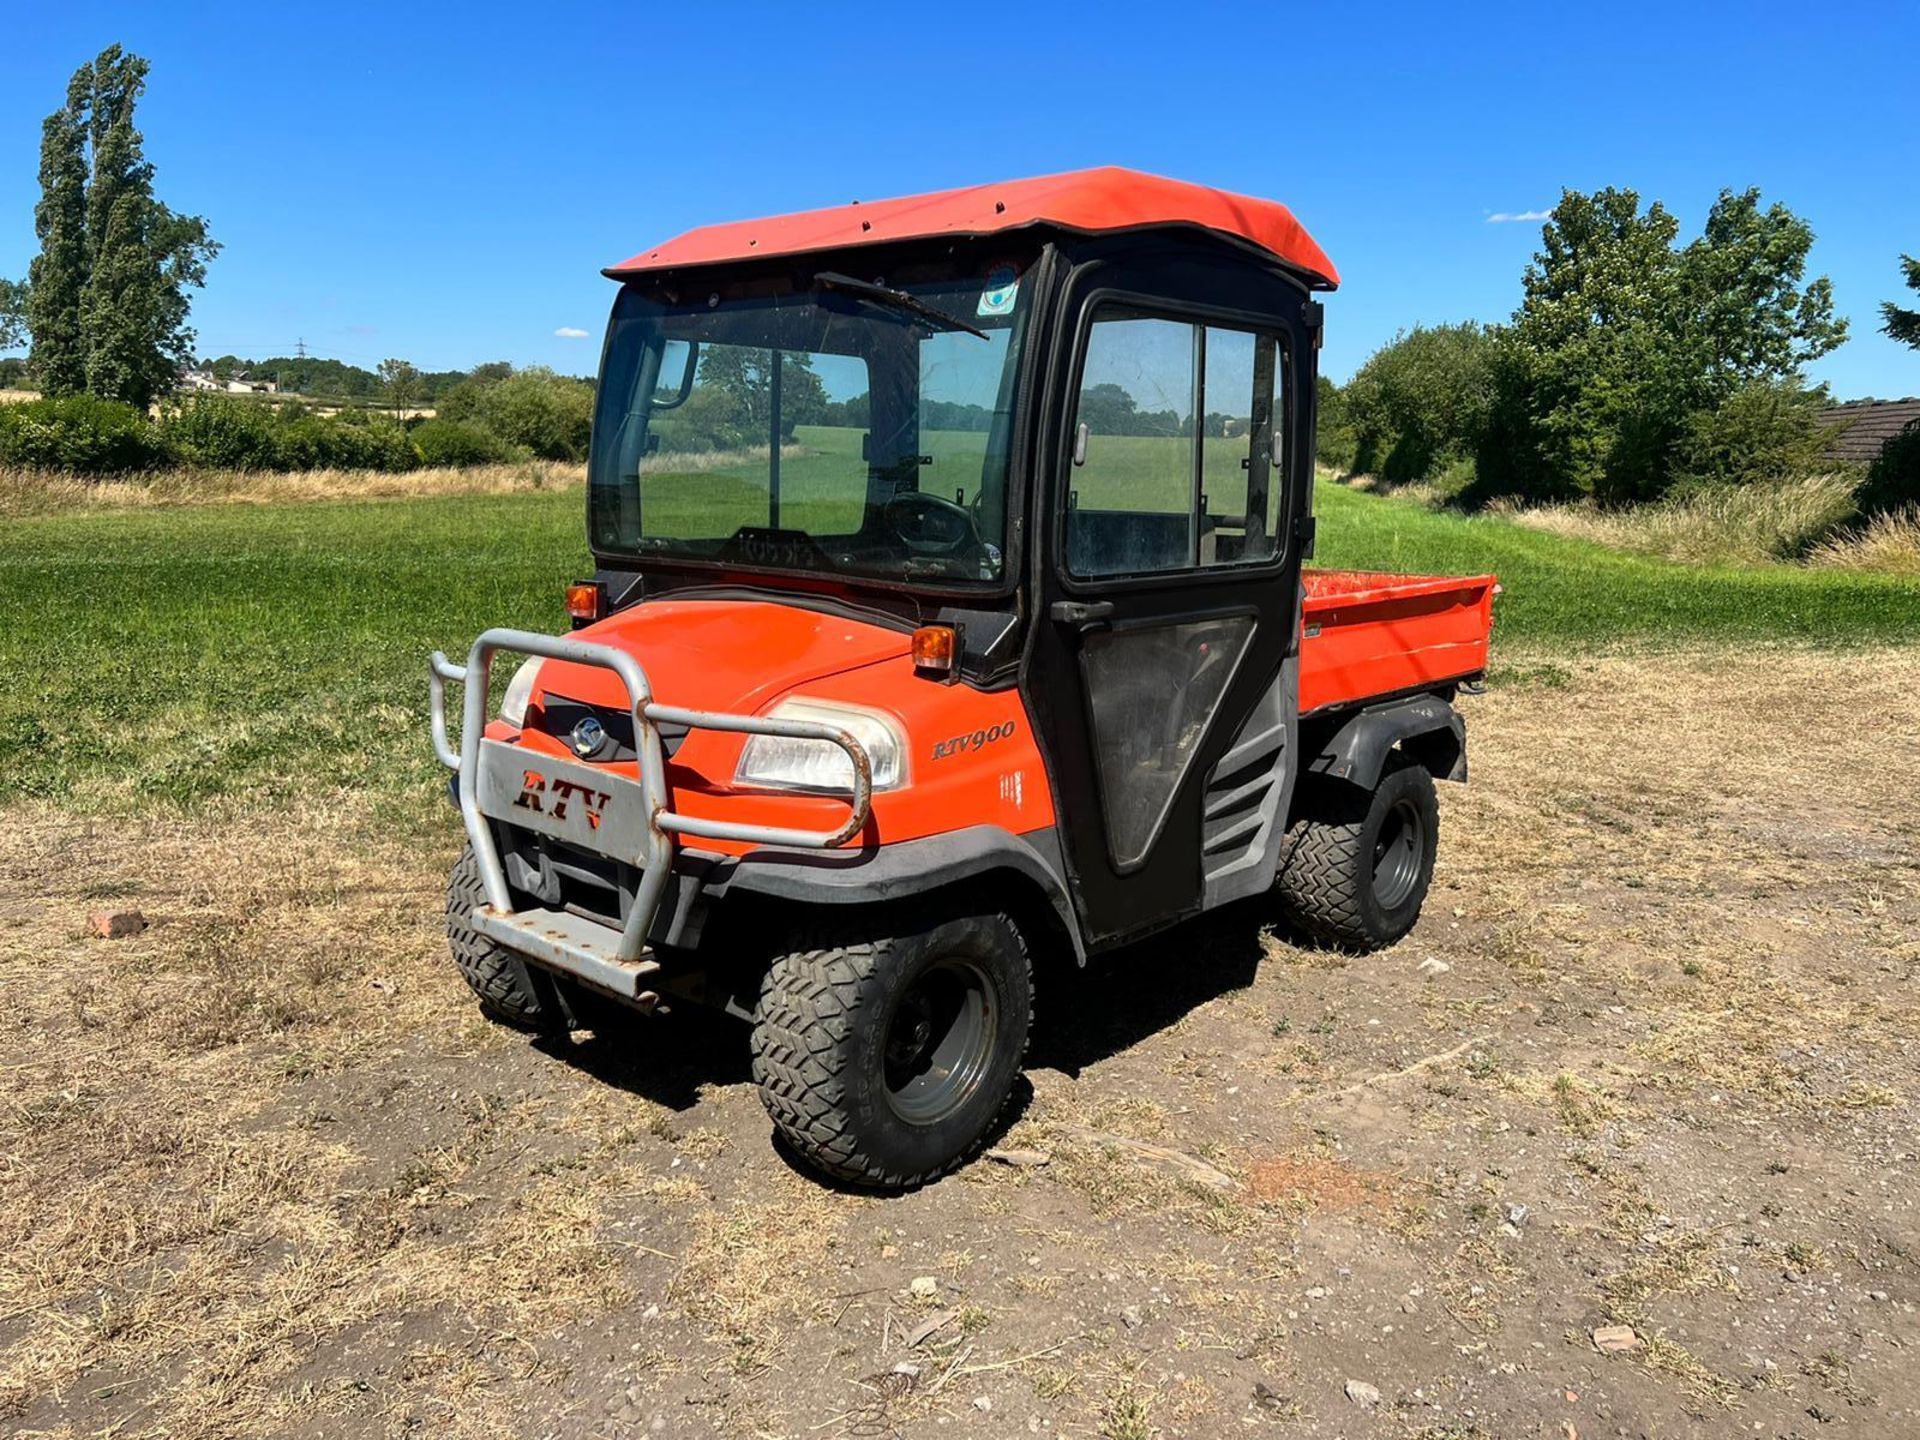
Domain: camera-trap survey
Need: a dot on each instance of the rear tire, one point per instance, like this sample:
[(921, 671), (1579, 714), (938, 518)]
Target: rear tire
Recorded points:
[(885, 1056), (510, 990), (1357, 863)]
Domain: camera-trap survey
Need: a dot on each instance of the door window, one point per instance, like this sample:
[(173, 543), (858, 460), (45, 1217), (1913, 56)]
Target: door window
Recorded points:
[(1173, 448), (1130, 495)]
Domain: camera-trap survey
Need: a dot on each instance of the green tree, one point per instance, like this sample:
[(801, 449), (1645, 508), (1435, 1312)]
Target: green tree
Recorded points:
[(1893, 480), (744, 375), (855, 412), (1749, 310), (1621, 338), (108, 292), (59, 272), (1421, 402), (1588, 355), (1903, 325), (1765, 430), (13, 314), (401, 381), (534, 409), (1333, 426)]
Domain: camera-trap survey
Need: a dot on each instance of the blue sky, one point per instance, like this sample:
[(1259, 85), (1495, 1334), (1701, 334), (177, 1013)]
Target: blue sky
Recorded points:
[(444, 182)]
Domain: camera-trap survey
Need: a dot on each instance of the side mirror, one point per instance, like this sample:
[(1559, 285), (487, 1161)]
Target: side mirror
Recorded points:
[(679, 363)]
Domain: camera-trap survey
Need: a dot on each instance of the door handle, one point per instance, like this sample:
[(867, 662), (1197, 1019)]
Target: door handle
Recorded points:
[(1084, 613)]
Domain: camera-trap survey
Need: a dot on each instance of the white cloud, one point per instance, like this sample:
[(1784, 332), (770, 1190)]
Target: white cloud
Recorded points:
[(1509, 217), (569, 332)]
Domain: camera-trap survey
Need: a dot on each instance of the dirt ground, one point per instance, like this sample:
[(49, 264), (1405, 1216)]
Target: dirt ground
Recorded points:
[(1650, 1059)]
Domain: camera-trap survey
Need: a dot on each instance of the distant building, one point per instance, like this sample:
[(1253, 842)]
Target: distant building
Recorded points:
[(1866, 426), (238, 385)]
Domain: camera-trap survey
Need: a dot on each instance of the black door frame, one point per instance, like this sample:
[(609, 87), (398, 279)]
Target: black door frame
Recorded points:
[(1191, 281)]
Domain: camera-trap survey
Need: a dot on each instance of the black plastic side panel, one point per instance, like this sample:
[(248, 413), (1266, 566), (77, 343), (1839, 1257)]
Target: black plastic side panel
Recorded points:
[(1249, 794)]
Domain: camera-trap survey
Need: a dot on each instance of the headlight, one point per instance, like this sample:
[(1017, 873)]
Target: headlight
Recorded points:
[(786, 764), (513, 709)]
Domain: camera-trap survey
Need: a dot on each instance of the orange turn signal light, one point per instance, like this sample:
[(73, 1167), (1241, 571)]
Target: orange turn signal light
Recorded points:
[(935, 648), (586, 601)]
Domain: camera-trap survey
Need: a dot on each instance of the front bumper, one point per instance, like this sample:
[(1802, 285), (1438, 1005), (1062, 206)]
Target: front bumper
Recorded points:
[(625, 818)]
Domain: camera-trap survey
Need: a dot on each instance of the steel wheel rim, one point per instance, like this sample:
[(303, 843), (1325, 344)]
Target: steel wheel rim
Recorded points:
[(938, 1042), (1397, 852)]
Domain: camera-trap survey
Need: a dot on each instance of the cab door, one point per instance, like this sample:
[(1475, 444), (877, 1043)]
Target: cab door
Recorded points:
[(1171, 520)]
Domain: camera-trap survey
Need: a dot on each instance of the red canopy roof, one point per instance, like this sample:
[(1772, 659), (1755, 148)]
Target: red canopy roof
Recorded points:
[(1108, 198)]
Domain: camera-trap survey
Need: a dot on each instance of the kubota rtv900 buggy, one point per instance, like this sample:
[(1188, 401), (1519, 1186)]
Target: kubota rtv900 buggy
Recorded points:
[(949, 611)]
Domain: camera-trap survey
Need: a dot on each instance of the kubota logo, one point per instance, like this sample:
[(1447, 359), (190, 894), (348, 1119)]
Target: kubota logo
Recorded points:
[(552, 797)]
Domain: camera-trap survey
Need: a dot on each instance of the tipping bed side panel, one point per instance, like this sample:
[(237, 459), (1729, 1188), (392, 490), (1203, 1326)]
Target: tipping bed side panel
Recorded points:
[(1368, 635)]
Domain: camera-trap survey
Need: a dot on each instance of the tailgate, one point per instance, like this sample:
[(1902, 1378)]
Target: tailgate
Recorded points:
[(1366, 634)]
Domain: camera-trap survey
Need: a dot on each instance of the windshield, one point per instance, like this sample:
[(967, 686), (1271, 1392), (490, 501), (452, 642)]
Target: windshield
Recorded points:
[(848, 423)]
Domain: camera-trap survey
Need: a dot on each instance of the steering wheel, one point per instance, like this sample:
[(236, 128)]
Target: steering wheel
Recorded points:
[(929, 525)]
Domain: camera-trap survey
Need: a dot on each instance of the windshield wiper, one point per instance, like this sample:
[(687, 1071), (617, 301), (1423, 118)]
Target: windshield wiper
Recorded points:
[(895, 299)]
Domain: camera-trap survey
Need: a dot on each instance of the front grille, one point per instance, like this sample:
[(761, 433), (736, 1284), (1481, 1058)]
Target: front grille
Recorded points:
[(561, 715), (567, 877)]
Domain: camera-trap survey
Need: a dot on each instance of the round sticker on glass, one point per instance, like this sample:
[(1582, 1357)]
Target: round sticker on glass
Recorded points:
[(1003, 288)]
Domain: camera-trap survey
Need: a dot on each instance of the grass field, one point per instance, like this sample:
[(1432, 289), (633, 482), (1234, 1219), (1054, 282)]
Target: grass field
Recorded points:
[(1648, 1059), (1563, 591), (180, 652)]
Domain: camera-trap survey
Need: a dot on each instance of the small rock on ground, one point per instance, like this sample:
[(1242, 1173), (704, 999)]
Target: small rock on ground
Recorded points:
[(1613, 1339), (1020, 1159), (1361, 1393)]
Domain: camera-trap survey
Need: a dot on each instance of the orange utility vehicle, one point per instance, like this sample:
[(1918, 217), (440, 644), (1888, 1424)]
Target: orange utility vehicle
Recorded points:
[(949, 614)]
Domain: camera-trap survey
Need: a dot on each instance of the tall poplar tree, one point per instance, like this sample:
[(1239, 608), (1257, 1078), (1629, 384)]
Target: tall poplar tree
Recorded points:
[(59, 272), (107, 300)]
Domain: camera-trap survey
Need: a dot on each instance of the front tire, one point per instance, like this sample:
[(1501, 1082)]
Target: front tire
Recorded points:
[(1357, 863), (510, 990), (885, 1056)]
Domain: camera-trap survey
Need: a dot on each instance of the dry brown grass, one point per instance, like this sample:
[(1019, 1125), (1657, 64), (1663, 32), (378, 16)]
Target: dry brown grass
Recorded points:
[(753, 1270), (1889, 543), (164, 1213), (1734, 525), (1424, 493), (51, 492), (1725, 858), (1808, 520), (42, 492)]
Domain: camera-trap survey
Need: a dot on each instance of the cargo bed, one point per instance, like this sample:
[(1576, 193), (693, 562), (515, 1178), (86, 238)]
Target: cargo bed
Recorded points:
[(1368, 635)]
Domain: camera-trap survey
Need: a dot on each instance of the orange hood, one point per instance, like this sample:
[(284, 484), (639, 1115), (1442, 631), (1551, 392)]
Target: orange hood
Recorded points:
[(733, 655)]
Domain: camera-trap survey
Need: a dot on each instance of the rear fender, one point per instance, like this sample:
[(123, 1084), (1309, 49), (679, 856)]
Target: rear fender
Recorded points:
[(1424, 726)]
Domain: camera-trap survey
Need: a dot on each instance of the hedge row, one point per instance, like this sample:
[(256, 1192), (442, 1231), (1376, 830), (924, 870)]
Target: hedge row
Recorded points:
[(533, 412), (88, 436)]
